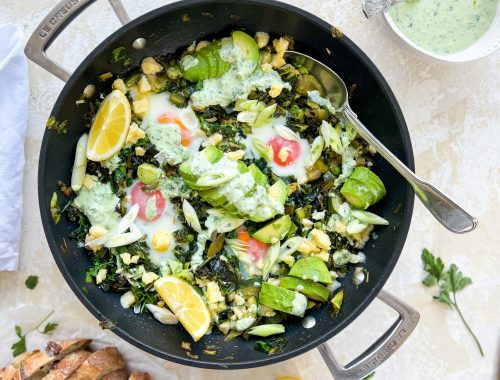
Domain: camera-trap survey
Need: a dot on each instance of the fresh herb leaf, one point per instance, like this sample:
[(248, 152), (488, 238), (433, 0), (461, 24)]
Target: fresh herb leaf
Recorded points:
[(434, 266), (271, 346), (20, 346), (337, 302), (49, 327), (449, 283), (55, 210), (369, 376), (117, 55), (59, 127), (31, 282)]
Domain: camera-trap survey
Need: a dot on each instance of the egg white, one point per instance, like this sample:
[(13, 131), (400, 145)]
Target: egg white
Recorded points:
[(265, 133), (167, 222), (160, 104)]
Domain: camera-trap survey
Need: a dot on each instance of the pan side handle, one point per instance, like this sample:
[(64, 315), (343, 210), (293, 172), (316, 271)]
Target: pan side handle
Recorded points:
[(379, 351), (53, 24)]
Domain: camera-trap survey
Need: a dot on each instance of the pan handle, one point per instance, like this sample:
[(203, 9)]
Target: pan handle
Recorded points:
[(379, 351), (55, 22)]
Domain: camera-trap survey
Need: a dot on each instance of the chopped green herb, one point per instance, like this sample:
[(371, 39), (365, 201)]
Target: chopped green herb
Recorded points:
[(31, 282), (20, 346), (337, 302), (55, 210), (271, 346), (127, 62), (105, 76), (49, 327), (449, 283), (369, 376), (107, 324), (59, 127), (117, 55)]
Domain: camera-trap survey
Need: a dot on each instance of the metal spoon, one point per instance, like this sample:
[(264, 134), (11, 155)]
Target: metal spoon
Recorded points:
[(447, 212)]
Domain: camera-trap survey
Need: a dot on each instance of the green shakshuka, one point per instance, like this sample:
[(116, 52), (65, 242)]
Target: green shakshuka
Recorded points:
[(219, 189)]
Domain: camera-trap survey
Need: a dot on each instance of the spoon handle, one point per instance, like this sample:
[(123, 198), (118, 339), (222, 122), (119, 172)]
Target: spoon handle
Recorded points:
[(447, 212)]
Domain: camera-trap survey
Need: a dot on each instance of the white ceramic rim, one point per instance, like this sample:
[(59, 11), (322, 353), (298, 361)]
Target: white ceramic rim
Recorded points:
[(486, 45)]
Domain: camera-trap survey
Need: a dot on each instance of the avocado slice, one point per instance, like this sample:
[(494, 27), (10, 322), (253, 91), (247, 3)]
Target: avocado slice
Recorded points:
[(148, 173), (311, 268), (249, 49), (311, 289), (363, 188), (274, 231), (212, 154), (278, 191), (259, 177), (207, 63), (282, 299)]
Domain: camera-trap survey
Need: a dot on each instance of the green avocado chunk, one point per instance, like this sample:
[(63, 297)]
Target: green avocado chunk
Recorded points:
[(311, 268), (148, 173), (311, 289), (282, 299), (274, 231), (278, 191), (204, 64), (211, 154), (249, 48), (363, 188)]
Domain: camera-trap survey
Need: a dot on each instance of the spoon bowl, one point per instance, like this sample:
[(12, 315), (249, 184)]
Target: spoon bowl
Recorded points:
[(446, 211)]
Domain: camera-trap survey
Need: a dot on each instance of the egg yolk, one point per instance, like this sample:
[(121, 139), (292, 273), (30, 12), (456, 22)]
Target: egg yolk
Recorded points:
[(151, 204), (169, 118), (285, 151)]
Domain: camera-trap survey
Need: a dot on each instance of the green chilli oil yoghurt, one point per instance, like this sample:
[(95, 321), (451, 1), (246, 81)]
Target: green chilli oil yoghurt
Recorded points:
[(444, 26)]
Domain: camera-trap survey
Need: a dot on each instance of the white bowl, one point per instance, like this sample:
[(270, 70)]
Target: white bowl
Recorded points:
[(487, 44)]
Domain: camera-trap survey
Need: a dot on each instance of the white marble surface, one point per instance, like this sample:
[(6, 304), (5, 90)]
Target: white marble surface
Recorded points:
[(453, 114)]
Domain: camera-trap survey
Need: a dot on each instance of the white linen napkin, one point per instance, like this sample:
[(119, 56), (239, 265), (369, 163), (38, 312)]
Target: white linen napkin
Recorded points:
[(13, 115)]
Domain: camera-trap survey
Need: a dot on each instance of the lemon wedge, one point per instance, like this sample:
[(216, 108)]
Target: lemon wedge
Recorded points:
[(110, 127), (185, 303)]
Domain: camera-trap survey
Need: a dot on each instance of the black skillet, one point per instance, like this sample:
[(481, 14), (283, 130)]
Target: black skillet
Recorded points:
[(173, 27)]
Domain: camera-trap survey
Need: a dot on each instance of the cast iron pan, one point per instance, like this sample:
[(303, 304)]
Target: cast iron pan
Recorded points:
[(167, 29)]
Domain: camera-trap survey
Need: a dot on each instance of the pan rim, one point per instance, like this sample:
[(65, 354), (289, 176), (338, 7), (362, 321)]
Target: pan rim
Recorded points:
[(398, 247)]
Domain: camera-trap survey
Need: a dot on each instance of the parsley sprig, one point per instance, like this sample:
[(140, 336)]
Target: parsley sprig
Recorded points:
[(20, 346), (449, 283)]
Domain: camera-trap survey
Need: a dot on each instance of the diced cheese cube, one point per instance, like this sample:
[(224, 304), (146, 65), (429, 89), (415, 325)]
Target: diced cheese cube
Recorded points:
[(321, 239), (126, 258), (266, 67), (275, 90), (89, 181), (213, 293), (150, 66), (262, 39), (277, 61), (214, 139), (236, 155), (140, 151), (135, 259), (134, 134), (280, 45), (101, 275), (149, 277), (161, 240), (143, 85), (127, 299), (141, 105), (239, 300), (119, 84)]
